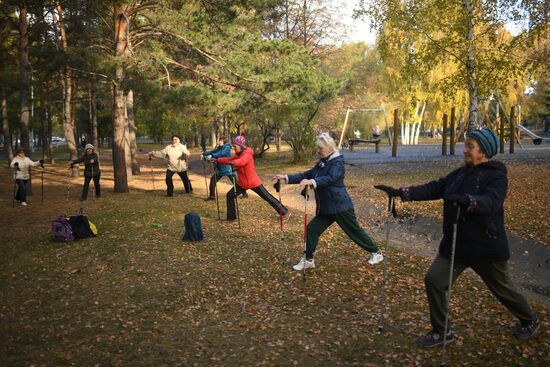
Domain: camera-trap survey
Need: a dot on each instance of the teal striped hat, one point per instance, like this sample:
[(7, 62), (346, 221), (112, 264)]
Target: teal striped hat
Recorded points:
[(487, 140)]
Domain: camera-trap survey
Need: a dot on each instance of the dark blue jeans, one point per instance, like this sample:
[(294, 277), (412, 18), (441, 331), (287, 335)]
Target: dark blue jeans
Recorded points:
[(21, 194)]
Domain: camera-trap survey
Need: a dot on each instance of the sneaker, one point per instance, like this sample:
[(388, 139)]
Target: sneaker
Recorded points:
[(434, 338), (16, 201), (24, 203), (376, 258), (308, 264), (210, 198), (526, 329), (244, 196), (169, 195)]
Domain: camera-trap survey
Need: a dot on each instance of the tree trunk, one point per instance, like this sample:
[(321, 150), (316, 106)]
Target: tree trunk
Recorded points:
[(121, 44), (24, 83), (132, 132), (470, 65), (127, 149), (8, 147), (93, 114), (68, 128), (213, 136), (44, 125)]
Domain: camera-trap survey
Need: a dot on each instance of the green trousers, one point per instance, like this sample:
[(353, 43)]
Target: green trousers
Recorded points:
[(495, 275), (347, 221)]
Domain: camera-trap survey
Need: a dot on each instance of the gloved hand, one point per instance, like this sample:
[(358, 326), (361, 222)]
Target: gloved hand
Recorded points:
[(41, 161), (16, 164), (460, 199), (277, 186), (391, 191)]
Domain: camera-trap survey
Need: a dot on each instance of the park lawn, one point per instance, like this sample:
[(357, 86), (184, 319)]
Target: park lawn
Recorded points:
[(137, 295)]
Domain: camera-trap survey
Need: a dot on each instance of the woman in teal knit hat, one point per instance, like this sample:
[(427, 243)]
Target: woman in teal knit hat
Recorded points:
[(479, 189)]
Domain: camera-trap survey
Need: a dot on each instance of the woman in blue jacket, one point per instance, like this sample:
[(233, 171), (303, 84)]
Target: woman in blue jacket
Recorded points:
[(220, 170), (478, 188), (333, 202)]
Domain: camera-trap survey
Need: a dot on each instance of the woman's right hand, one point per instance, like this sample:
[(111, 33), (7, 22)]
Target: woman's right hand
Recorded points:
[(278, 177), (391, 191)]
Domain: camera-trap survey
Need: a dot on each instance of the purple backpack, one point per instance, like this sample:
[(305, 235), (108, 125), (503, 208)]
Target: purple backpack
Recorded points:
[(62, 230)]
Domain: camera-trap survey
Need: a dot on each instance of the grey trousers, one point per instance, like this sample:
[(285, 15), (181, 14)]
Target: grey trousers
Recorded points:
[(495, 275)]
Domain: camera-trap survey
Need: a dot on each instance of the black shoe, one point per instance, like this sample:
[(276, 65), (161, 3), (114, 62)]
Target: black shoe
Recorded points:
[(210, 198), (526, 329), (244, 196), (169, 195), (82, 199), (435, 338)]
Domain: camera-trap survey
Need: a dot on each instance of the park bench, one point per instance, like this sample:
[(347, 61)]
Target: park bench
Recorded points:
[(354, 141)]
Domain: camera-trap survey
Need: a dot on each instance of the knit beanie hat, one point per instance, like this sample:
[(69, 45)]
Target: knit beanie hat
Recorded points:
[(88, 146), (240, 141), (487, 140)]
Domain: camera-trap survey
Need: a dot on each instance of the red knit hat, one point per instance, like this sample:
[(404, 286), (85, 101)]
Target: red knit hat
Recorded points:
[(240, 141)]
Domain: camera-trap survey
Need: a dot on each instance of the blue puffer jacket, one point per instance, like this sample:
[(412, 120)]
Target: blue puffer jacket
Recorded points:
[(330, 191), (223, 151)]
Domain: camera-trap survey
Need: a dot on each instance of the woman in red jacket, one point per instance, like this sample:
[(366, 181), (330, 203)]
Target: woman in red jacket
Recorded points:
[(247, 178)]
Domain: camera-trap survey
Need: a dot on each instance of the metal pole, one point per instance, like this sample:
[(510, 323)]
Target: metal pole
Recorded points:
[(451, 270)]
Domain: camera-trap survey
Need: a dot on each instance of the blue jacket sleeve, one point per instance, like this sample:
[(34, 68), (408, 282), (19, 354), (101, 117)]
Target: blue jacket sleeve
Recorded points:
[(223, 151), (297, 177), (430, 191)]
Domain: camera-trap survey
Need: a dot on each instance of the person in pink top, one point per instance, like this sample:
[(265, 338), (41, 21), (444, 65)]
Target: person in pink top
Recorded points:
[(247, 178)]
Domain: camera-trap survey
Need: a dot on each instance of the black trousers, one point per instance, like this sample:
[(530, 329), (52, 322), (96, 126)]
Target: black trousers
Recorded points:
[(170, 183), (86, 186), (21, 194), (261, 191), (213, 180)]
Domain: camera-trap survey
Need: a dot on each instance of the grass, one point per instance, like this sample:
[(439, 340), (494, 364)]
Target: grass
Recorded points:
[(137, 295)]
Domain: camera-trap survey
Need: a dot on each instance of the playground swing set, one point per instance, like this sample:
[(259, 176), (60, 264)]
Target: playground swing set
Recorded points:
[(356, 134)]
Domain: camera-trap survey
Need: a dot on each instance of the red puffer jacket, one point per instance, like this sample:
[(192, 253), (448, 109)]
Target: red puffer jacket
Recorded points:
[(247, 178)]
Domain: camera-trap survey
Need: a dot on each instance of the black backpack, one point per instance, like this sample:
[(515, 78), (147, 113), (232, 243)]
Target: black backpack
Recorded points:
[(81, 226), (193, 228)]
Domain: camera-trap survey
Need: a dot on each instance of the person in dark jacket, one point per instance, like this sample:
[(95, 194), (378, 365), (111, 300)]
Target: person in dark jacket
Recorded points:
[(247, 178), (220, 170), (333, 202), (478, 189), (91, 171)]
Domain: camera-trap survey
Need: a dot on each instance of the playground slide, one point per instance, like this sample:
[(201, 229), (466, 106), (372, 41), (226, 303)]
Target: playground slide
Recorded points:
[(536, 138)]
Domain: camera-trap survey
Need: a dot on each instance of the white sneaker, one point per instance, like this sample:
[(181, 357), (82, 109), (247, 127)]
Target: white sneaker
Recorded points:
[(308, 264), (376, 258), (23, 203)]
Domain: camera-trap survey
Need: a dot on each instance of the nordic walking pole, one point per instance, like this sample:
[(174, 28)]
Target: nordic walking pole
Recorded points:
[(236, 200), (69, 183), (216, 186), (93, 192), (391, 210), (42, 187), (14, 185), (277, 188), (152, 173), (306, 197), (204, 174), (450, 284)]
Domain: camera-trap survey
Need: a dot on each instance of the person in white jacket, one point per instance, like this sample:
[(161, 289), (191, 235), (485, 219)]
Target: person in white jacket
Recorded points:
[(176, 154), (22, 166)]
